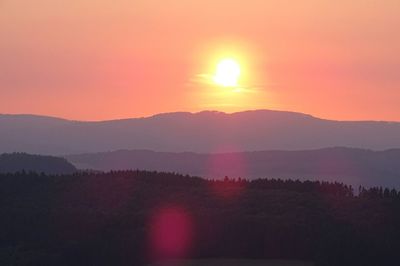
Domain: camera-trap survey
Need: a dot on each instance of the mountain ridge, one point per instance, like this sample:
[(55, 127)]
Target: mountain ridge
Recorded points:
[(206, 132), (27, 115)]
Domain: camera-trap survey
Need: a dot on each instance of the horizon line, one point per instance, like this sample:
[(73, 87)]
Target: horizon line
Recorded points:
[(193, 113)]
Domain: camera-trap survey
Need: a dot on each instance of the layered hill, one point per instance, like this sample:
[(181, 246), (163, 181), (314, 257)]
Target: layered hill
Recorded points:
[(19, 162), (204, 132), (351, 166)]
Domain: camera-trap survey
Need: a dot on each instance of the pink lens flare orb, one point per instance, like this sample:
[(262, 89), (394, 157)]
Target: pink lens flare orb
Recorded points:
[(171, 233)]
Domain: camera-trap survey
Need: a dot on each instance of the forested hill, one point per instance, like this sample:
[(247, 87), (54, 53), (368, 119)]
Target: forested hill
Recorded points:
[(137, 217), (18, 162)]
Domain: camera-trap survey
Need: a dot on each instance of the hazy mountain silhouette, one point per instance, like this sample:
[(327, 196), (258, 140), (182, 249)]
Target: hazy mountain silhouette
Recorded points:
[(199, 132), (351, 166), (18, 162)]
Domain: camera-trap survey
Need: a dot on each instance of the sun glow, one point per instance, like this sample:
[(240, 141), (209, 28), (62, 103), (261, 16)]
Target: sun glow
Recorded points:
[(227, 73), (226, 78)]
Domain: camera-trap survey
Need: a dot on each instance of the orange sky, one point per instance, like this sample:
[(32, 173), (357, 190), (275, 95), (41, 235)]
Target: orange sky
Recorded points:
[(98, 59)]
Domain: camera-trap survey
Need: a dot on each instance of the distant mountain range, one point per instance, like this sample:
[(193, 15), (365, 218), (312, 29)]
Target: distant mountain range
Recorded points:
[(204, 132), (350, 166), (18, 162)]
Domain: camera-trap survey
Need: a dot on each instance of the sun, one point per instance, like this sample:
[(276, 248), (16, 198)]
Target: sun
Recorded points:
[(227, 73)]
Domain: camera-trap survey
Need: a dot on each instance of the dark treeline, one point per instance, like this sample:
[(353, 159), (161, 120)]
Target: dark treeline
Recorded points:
[(111, 219)]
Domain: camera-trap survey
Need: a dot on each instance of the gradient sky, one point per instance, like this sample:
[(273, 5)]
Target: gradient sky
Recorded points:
[(98, 59)]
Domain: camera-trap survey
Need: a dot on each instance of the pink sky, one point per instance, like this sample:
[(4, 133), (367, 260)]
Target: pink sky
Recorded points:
[(95, 60)]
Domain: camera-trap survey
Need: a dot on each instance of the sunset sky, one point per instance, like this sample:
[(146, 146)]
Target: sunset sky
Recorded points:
[(98, 59)]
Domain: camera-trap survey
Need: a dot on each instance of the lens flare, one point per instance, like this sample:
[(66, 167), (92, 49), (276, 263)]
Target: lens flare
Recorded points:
[(171, 233)]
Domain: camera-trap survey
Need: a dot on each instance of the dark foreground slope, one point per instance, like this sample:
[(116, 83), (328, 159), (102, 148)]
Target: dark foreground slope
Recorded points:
[(351, 166), (135, 218), (18, 162), (205, 132)]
